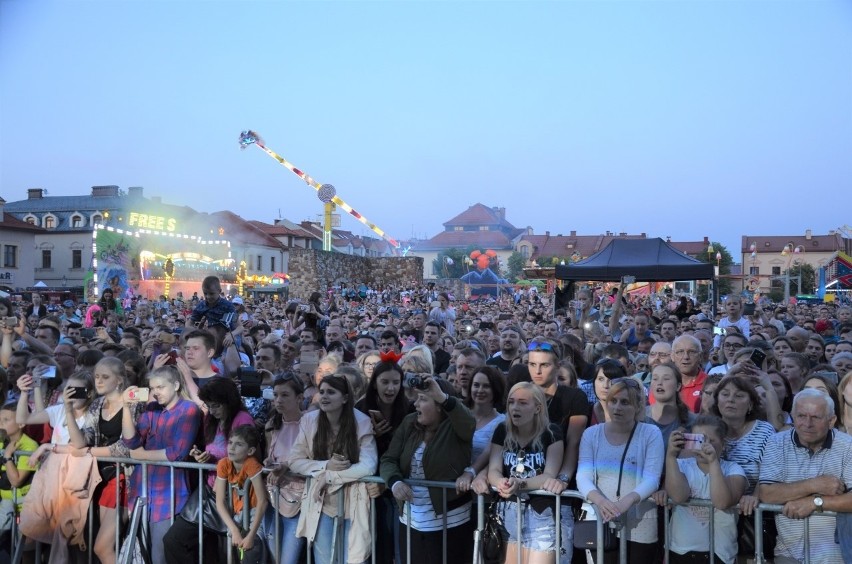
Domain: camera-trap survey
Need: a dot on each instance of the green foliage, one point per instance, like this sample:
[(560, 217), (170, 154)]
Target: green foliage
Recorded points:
[(808, 279), (516, 264), (724, 265), (455, 270)]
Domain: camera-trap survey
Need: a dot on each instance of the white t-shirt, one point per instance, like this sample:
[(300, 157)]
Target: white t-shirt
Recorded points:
[(690, 526), (56, 413)]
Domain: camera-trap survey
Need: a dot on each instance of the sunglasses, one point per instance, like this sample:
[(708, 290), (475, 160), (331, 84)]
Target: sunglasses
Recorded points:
[(629, 382), (547, 347)]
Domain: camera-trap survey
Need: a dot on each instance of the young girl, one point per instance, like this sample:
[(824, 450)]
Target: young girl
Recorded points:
[(703, 475), (526, 451), (282, 430), (239, 467), (667, 412), (103, 438), (13, 473), (335, 447), (164, 432)]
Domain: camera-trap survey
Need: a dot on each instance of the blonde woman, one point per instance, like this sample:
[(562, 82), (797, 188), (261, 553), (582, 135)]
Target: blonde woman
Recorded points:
[(526, 452)]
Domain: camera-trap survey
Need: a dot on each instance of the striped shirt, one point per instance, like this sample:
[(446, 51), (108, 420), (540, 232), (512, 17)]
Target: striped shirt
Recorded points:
[(748, 451), (786, 460), (423, 516)]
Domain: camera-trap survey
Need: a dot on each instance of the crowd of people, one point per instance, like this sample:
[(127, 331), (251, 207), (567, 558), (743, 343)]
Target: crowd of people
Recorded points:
[(351, 399)]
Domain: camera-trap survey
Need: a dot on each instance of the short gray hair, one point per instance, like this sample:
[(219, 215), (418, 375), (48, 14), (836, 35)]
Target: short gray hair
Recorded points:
[(814, 394)]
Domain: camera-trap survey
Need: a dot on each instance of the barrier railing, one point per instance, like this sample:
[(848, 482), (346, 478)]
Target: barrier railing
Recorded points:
[(140, 515)]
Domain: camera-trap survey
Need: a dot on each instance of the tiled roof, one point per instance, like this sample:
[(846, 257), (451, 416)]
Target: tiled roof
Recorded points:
[(692, 248), (12, 222), (567, 245), (480, 214), (281, 230), (495, 240), (776, 243), (238, 228)]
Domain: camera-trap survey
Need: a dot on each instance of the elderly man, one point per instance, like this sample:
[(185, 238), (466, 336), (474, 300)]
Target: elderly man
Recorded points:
[(659, 354), (686, 353), (808, 470)]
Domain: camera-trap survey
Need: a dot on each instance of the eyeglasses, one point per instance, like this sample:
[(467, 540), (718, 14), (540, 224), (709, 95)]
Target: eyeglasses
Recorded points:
[(659, 354), (687, 352), (629, 382), (534, 346), (733, 346)]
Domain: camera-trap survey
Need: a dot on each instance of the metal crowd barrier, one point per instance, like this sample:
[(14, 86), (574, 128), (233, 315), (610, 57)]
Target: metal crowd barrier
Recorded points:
[(140, 515)]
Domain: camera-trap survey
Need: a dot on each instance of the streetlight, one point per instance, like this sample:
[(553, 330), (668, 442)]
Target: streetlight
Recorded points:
[(714, 284), (791, 253)]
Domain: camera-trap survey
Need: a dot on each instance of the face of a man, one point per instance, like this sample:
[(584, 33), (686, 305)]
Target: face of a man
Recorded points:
[(509, 342), (687, 356), (543, 368), (45, 335), (387, 344), (466, 367), (418, 320), (306, 337), (196, 354), (265, 360), (813, 350), (430, 336), (812, 421), (668, 331), (660, 353), (551, 331), (289, 351), (363, 345), (640, 322), (332, 333)]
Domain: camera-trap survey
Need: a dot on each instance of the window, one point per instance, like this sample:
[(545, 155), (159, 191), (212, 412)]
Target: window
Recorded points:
[(483, 228), (776, 271), (525, 252), (49, 222), (76, 258), (272, 264), (97, 218), (76, 221), (45, 259), (10, 256), (458, 228), (754, 270), (259, 263), (31, 220)]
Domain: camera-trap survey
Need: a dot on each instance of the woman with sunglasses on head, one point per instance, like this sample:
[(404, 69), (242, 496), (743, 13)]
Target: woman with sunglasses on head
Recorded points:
[(621, 462), (434, 443), (335, 447)]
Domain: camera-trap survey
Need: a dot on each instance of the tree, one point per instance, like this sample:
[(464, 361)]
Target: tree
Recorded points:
[(808, 279), (457, 269), (516, 264), (724, 269)]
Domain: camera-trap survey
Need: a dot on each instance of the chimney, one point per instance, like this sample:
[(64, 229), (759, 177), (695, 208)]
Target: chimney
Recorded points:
[(547, 233), (623, 234), (643, 235), (573, 233), (809, 234), (135, 191), (500, 212), (2, 203), (35, 193), (104, 191), (706, 240)]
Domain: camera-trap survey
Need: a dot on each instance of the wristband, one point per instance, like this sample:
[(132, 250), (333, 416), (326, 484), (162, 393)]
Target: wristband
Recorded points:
[(471, 470)]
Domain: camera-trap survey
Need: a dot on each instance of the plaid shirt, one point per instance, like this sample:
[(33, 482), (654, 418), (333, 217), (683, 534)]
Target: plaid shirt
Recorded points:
[(173, 431)]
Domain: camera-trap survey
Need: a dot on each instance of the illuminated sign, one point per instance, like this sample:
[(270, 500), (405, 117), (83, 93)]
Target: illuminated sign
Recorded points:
[(145, 221)]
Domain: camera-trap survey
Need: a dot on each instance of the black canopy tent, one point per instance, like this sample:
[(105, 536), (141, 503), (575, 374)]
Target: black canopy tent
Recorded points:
[(649, 260)]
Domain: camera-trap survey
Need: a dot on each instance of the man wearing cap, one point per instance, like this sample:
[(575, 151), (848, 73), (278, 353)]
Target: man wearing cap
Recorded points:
[(70, 315)]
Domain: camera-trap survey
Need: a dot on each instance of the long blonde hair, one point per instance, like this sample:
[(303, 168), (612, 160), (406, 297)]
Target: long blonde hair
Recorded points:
[(540, 422)]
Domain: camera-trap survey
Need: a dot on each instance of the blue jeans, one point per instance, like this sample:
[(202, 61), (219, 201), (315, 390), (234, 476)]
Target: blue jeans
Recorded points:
[(322, 545), (291, 546)]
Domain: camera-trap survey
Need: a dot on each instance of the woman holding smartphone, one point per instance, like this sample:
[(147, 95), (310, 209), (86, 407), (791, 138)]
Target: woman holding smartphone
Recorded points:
[(103, 438), (335, 447), (164, 432), (387, 406)]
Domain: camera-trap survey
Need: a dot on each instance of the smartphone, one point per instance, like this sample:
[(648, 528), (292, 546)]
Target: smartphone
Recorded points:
[(87, 333), (694, 441), (80, 392), (339, 457), (376, 416), (50, 372), (757, 357), (249, 382), (11, 322), (139, 394), (172, 357), (748, 309)]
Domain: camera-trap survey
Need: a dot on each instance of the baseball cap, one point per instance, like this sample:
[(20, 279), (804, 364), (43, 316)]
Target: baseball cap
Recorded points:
[(68, 303)]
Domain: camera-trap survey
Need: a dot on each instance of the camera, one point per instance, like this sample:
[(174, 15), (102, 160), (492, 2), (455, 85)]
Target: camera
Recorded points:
[(415, 381), (693, 441), (250, 382)]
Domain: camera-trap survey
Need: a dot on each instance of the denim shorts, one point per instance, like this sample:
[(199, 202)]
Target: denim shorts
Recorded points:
[(538, 530)]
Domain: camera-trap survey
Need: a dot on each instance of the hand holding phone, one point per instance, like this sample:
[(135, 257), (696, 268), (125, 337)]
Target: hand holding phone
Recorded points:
[(138, 394)]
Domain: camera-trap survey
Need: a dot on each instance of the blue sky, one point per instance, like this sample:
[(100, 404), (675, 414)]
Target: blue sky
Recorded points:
[(680, 118)]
